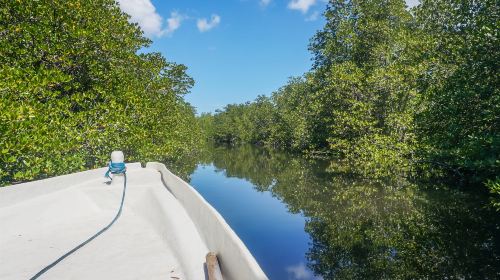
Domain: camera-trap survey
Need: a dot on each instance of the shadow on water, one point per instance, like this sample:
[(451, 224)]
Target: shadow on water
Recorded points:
[(357, 228)]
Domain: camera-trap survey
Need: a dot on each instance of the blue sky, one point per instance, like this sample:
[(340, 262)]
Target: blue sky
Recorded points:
[(234, 49)]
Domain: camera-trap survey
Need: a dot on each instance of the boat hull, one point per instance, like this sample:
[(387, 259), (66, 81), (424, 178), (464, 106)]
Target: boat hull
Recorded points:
[(165, 230)]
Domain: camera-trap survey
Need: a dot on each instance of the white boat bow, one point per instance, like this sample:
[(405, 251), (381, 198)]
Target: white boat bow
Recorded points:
[(165, 230)]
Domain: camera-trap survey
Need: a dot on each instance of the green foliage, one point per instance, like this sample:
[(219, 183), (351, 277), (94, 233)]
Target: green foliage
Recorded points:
[(366, 63), (242, 123), (459, 121), (494, 187), (74, 87), (392, 90), (300, 121), (206, 124)]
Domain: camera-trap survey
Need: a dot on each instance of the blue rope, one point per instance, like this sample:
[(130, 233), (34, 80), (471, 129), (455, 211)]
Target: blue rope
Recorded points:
[(114, 168)]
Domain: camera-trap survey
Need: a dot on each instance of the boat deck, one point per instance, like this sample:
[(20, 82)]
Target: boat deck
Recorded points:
[(153, 239)]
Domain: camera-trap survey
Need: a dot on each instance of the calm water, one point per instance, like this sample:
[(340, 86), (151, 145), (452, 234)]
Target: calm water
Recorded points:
[(302, 222)]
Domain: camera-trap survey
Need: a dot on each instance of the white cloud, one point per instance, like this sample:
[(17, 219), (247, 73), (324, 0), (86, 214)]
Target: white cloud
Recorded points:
[(264, 2), (312, 17), (301, 5), (173, 23), (205, 25), (144, 13), (412, 3), (300, 272)]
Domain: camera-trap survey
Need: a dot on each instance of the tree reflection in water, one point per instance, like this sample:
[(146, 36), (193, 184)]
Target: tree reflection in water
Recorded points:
[(366, 229)]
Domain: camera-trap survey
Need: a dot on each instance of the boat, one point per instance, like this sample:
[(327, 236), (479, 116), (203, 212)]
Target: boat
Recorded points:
[(166, 229)]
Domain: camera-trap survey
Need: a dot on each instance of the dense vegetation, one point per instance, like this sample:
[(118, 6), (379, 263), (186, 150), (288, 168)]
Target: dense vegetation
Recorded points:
[(76, 84), (391, 89)]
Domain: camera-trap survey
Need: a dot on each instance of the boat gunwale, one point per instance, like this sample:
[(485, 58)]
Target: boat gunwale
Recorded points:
[(235, 259)]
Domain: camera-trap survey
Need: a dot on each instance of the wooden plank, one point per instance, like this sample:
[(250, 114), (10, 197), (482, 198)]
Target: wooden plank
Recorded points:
[(213, 267)]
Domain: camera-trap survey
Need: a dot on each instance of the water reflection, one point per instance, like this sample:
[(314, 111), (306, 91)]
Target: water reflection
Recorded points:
[(300, 272), (362, 229)]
